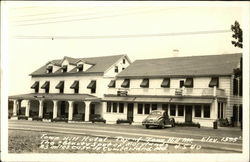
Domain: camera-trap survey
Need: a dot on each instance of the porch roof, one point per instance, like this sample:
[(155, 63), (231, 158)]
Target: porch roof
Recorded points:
[(55, 96), (159, 99)]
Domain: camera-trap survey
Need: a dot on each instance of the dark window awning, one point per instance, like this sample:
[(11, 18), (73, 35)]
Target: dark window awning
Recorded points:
[(214, 82), (35, 85), (75, 85), (165, 83), (60, 85), (45, 85), (92, 85), (145, 83), (189, 83), (125, 83), (111, 84)]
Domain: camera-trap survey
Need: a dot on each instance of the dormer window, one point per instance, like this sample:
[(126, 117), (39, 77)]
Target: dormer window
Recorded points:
[(49, 69), (80, 67), (64, 68), (116, 69)]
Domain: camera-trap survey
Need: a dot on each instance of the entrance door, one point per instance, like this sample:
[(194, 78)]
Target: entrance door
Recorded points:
[(130, 113), (188, 113)]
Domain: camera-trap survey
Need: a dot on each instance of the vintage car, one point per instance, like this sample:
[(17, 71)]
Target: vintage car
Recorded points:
[(158, 118)]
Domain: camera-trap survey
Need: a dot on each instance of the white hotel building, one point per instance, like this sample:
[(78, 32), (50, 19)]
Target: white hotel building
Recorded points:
[(191, 89)]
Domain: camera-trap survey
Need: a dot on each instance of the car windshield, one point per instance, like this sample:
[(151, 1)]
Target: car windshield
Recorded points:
[(156, 113)]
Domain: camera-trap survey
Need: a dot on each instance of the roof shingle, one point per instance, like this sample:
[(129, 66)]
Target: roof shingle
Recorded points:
[(100, 64), (209, 65)]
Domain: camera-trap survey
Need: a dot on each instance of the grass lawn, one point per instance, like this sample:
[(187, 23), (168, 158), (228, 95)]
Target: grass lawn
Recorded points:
[(21, 141)]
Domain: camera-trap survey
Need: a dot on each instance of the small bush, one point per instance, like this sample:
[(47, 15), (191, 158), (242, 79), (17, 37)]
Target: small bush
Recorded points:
[(223, 122), (118, 121), (184, 124)]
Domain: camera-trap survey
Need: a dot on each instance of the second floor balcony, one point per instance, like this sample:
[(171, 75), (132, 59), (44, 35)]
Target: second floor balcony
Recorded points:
[(169, 91)]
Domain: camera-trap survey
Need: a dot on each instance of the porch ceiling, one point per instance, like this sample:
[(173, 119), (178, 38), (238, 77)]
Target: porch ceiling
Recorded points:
[(54, 96)]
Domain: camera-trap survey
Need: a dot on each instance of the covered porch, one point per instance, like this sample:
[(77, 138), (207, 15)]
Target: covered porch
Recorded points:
[(54, 107)]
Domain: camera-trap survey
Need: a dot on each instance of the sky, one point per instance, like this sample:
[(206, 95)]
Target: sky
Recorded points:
[(38, 33)]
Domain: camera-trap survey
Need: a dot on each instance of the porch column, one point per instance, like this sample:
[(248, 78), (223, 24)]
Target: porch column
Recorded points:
[(126, 108), (87, 105), (159, 106), (15, 108), (40, 115), (104, 107), (70, 115), (135, 108), (168, 109), (55, 109), (215, 114), (27, 110)]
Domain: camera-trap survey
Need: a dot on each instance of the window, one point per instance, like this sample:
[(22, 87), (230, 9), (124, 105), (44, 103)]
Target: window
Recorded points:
[(140, 109), (124, 61), (108, 106), (235, 86), (145, 83), (222, 116), (197, 111), (240, 113), (240, 86), (35, 86), (125, 83), (180, 110), (49, 69), (114, 107), (181, 83), (154, 106), (147, 109), (165, 107), (64, 68), (80, 67), (92, 86), (111, 84), (214, 82), (206, 111), (46, 86), (75, 86), (165, 83), (218, 113), (172, 110), (60, 86), (189, 83), (75, 109), (123, 68), (121, 107), (116, 69)]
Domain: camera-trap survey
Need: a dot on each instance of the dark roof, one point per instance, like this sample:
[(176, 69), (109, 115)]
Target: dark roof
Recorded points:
[(54, 96), (100, 65), (209, 65)]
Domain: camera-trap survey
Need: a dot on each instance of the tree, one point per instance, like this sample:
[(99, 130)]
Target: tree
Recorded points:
[(237, 35)]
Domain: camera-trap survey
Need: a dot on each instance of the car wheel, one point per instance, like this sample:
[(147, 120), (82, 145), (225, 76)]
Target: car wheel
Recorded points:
[(161, 126), (147, 126)]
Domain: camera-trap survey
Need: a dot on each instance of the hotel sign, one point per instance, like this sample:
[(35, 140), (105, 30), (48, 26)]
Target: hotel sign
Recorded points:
[(178, 92), (122, 93)]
